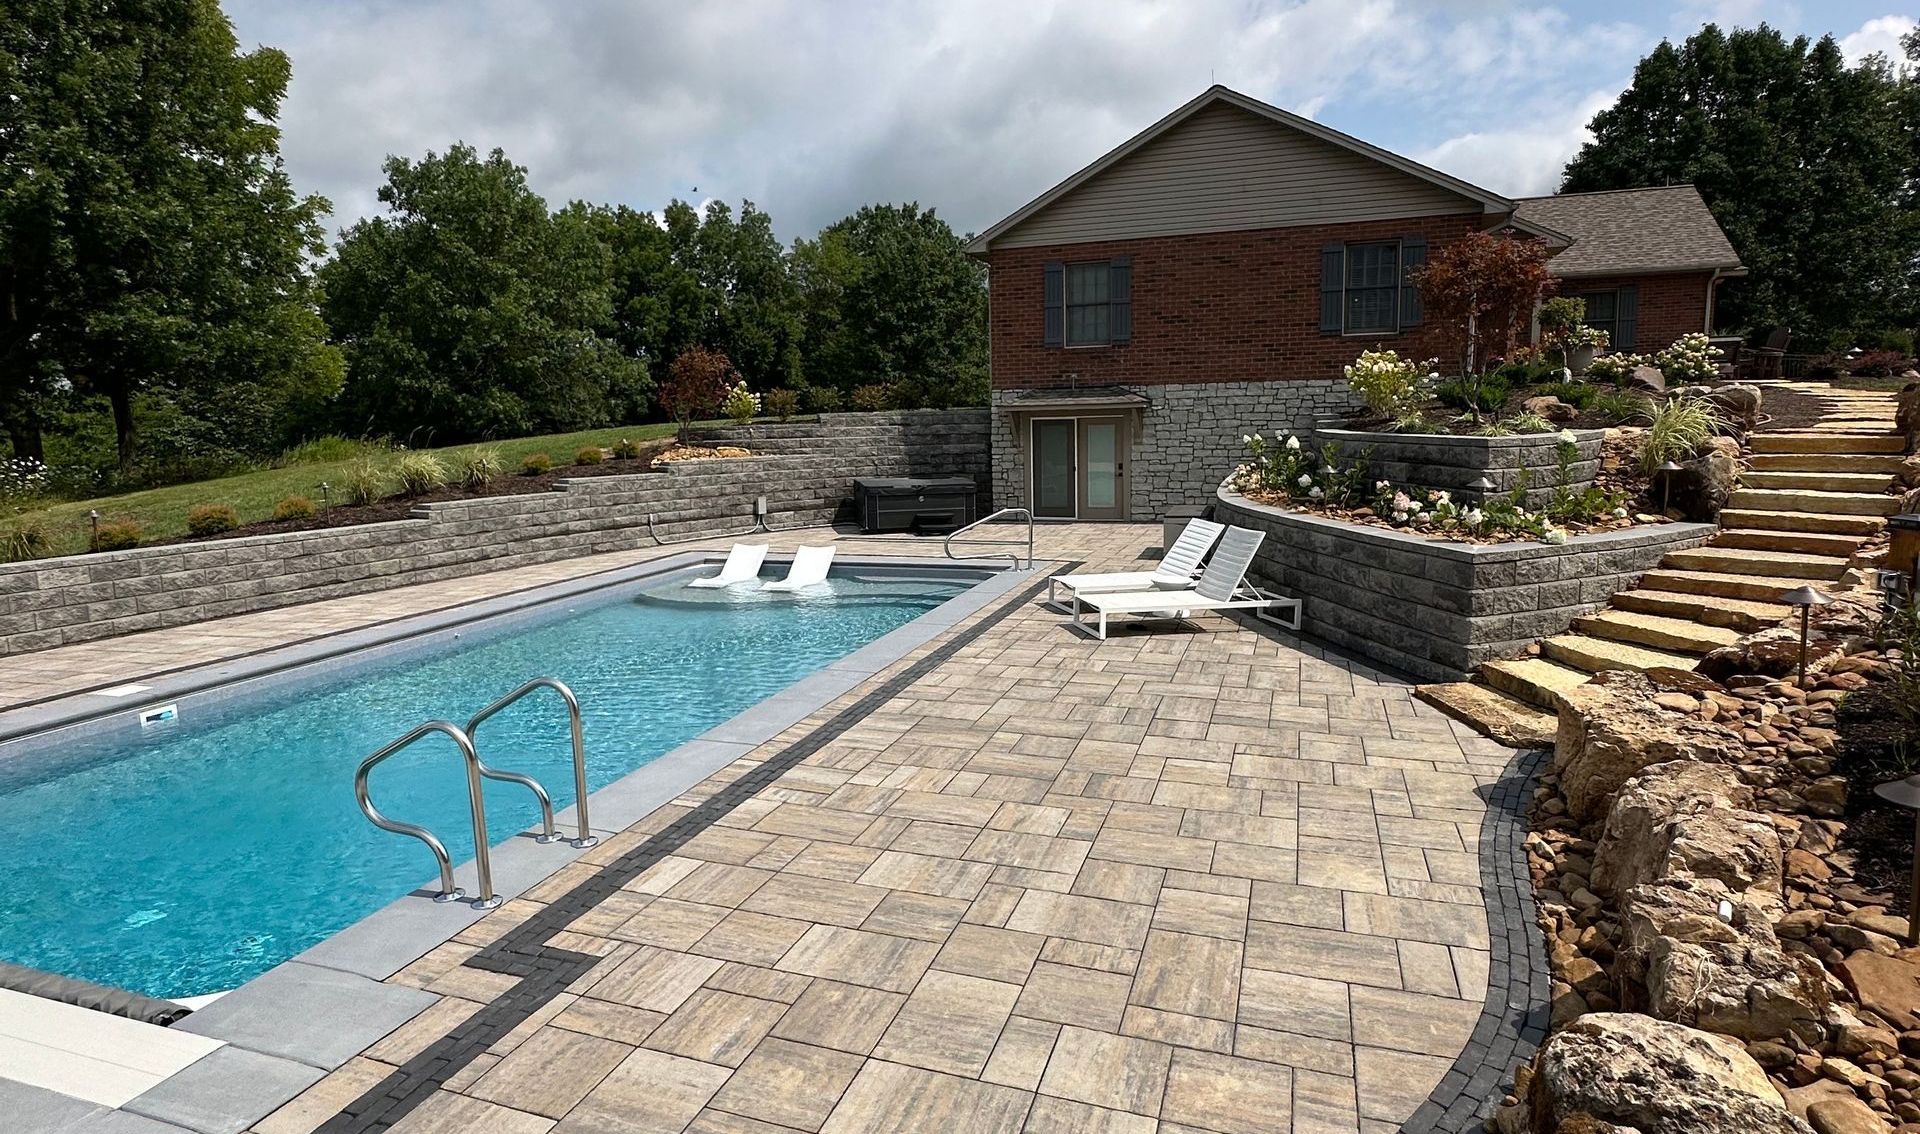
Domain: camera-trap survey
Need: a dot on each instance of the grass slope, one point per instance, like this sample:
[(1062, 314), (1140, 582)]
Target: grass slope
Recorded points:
[(162, 512)]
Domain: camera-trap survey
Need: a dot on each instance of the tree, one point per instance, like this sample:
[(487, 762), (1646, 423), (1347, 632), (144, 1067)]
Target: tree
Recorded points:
[(150, 239), (1807, 163), (1481, 292), (696, 385), (471, 311), (889, 297)]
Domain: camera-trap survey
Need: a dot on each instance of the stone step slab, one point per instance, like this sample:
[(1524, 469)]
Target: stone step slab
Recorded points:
[(1509, 721), (1826, 443), (1802, 543), (1750, 519), (1777, 564), (1742, 615), (1655, 630), (1817, 481), (1807, 500), (1597, 655), (1536, 681), (1722, 584), (1826, 462)]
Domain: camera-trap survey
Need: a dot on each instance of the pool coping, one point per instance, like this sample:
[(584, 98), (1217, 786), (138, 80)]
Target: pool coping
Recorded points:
[(286, 1028)]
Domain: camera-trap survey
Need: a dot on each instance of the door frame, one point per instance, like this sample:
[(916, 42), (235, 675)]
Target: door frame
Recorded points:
[(1033, 464), (1122, 447)]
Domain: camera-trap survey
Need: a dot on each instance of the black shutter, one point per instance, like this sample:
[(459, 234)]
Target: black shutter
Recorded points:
[(1413, 254), (1333, 270), (1120, 299), (1626, 313), (1056, 303)]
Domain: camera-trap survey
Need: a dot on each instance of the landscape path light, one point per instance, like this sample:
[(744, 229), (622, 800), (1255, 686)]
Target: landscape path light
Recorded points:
[(1906, 793), (1666, 471), (93, 521), (1806, 598)]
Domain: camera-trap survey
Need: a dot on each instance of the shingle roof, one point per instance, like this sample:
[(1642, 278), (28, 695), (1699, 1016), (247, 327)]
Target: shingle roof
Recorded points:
[(1622, 231)]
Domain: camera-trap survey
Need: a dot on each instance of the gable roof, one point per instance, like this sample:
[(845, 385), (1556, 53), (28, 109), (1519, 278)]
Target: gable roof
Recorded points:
[(1623, 231), (1488, 201)]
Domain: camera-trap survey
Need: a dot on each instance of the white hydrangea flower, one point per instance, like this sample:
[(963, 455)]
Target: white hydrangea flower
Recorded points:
[(1316, 494), (1305, 481), (1619, 513), (1554, 535), (1567, 437), (1293, 444), (1399, 517)]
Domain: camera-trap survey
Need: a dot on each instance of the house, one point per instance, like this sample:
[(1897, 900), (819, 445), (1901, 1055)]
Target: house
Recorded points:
[(1214, 273)]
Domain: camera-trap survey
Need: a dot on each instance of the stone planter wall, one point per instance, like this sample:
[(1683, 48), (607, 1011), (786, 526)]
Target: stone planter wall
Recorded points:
[(1436, 610), (806, 476), (1437, 460)]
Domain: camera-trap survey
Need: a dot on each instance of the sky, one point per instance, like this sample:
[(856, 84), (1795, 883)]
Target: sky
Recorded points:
[(811, 108)]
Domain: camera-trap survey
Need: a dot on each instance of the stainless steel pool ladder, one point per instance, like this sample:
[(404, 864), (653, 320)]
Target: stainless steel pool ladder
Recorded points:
[(1022, 513), (476, 806), (584, 839)]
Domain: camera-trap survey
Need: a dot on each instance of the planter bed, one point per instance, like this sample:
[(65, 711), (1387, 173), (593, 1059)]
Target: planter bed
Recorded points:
[(1440, 460)]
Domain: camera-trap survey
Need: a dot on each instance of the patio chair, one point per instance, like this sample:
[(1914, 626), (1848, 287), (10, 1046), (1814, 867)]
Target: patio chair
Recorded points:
[(1175, 573), (1222, 586), (808, 569), (1768, 359), (743, 563)]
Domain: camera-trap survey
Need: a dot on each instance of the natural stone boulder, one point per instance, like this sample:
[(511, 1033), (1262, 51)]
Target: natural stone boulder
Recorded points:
[(1906, 414), (1550, 408), (1886, 986), (1610, 730), (1695, 968), (1653, 1077), (1646, 380), (1773, 652), (1692, 819), (1844, 1115), (1705, 481), (1738, 403)]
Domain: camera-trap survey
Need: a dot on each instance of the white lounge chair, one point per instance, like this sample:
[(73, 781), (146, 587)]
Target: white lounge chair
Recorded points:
[(1175, 572), (743, 563), (1222, 586), (808, 569)]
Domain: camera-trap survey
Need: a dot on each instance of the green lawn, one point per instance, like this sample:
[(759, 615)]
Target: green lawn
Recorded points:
[(1862, 382), (162, 512)]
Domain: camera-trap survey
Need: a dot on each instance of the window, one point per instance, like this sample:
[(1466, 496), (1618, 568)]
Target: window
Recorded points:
[(1615, 311), (1088, 289), (1373, 288)]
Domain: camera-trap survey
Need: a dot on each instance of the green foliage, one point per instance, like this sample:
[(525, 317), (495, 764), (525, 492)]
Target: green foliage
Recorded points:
[(1579, 395), (1899, 631), (479, 467), (24, 538), (211, 519), (783, 403), (1391, 386), (536, 463), (116, 535), (824, 399), (294, 508), (871, 398), (591, 455), (741, 404), (1560, 315), (1485, 394), (626, 449), (417, 474), (1615, 368), (1529, 423), (1619, 407), (325, 450), (1676, 429), (363, 481), (1765, 127)]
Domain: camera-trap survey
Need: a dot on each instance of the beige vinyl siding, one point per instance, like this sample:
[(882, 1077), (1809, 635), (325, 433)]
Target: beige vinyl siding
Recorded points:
[(1226, 169)]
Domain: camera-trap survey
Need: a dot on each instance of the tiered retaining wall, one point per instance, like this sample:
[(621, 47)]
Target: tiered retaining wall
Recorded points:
[(1433, 609), (806, 475), (1436, 460)]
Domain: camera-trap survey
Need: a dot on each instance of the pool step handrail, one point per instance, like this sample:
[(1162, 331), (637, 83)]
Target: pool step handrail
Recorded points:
[(1023, 513), (585, 838), (476, 806)]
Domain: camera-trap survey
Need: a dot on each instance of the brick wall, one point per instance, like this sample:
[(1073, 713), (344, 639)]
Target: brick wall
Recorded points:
[(1669, 305), (1208, 307), (807, 473)]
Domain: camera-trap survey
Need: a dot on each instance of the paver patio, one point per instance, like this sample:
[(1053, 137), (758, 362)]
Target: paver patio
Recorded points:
[(1185, 881)]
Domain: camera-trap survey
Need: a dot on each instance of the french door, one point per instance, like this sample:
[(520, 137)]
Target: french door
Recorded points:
[(1079, 468)]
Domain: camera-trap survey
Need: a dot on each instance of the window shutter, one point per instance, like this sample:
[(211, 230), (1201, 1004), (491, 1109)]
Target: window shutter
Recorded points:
[(1120, 299), (1413, 254), (1626, 313), (1056, 303), (1333, 269)]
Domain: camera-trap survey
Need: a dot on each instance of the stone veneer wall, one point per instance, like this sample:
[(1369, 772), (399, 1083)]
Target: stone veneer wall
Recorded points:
[(806, 475), (1436, 460), (1187, 441), (1436, 610)]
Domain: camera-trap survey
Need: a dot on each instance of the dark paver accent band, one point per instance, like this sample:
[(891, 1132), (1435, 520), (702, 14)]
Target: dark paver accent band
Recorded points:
[(1513, 1020), (546, 971)]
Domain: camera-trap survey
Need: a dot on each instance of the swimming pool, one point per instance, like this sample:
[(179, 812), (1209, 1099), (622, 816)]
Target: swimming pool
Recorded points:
[(185, 858)]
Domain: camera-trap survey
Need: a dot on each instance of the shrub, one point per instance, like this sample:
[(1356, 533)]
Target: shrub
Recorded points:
[(873, 398), (294, 508), (479, 467), (1579, 395), (325, 450), (1391, 386), (1879, 364), (116, 535), (23, 539), (1675, 430), (1560, 315), (22, 479), (1486, 395), (1691, 358), (783, 403), (1529, 423), (625, 449), (211, 519), (824, 399), (363, 482), (419, 473), (1615, 368), (591, 455), (740, 404), (697, 382), (1618, 407), (536, 463)]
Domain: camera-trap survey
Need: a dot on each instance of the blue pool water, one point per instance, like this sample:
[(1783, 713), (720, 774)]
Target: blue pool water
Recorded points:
[(189, 860)]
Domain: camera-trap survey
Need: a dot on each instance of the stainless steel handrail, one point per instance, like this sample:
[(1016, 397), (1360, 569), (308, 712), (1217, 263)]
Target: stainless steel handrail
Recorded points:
[(584, 839), (1024, 512), (476, 807)]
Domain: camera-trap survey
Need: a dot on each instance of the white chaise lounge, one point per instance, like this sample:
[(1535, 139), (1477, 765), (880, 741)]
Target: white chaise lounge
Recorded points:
[(743, 563), (1222, 586), (1175, 573), (808, 569)]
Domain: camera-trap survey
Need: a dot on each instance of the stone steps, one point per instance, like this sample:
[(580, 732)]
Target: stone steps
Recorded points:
[(1749, 519), (1535, 681), (1817, 481), (1826, 462), (1826, 443), (1742, 615), (1802, 543), (1774, 564), (1511, 722), (1657, 631), (1597, 655), (1805, 500), (1721, 584)]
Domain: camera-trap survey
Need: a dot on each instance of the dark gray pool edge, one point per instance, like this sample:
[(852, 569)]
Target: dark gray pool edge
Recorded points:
[(287, 1028)]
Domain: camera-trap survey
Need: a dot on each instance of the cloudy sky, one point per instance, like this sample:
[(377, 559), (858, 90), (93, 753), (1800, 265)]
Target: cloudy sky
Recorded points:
[(813, 107)]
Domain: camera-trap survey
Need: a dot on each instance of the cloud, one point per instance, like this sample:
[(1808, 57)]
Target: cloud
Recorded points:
[(1522, 160), (1881, 35)]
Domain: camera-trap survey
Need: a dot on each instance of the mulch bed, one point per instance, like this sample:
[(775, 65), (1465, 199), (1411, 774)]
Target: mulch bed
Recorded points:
[(1445, 419)]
